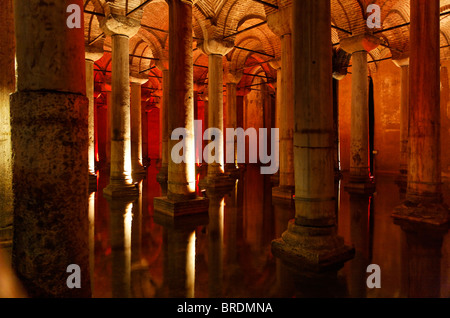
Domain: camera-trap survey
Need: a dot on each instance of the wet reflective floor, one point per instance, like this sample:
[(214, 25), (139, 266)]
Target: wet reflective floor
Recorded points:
[(136, 252)]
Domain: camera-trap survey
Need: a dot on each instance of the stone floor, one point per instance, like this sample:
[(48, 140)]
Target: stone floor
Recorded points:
[(232, 248)]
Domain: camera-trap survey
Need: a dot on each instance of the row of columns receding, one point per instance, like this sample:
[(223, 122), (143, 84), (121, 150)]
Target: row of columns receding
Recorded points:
[(50, 133)]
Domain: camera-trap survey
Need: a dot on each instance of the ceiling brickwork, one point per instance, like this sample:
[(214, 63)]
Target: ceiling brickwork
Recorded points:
[(222, 19)]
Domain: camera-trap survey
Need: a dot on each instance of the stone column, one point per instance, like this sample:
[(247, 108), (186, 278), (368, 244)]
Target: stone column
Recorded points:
[(311, 240), (120, 183), (404, 114), (276, 64), (7, 86), (216, 50), (424, 190), (181, 196), (164, 115), (49, 130), (358, 46), (231, 119), (91, 56), (136, 126), (280, 24)]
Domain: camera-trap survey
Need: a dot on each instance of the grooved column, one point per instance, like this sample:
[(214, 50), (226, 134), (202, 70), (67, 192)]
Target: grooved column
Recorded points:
[(424, 190), (49, 121), (164, 114), (181, 196), (311, 241), (120, 183), (136, 127), (280, 23), (358, 46)]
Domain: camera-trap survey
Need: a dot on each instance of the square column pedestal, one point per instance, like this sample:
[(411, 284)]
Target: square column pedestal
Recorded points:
[(173, 208)]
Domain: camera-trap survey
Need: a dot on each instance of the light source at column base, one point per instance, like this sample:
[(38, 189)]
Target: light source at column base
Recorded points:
[(180, 208), (283, 192), (312, 249), (120, 191)]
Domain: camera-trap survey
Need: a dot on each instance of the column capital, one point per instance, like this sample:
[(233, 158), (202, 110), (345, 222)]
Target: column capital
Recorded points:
[(216, 46), (401, 62), (162, 64), (280, 21), (234, 77), (358, 43), (115, 24), (138, 78), (93, 53), (275, 64)]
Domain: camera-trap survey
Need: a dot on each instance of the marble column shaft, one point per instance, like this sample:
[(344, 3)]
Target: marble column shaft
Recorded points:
[(136, 129)]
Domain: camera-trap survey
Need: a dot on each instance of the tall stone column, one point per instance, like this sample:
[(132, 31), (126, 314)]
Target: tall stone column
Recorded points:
[(49, 130), (280, 24), (233, 79), (7, 86), (311, 241), (181, 196), (136, 126), (216, 50), (120, 183), (164, 118), (91, 56), (423, 203), (276, 64), (358, 46), (404, 127)]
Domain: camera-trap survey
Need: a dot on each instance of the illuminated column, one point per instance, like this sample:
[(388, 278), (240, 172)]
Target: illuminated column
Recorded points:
[(276, 64), (311, 241), (216, 50), (423, 203), (358, 46), (164, 117), (231, 119), (136, 126), (49, 119), (280, 24), (181, 196), (404, 109), (91, 56), (7, 86), (120, 183)]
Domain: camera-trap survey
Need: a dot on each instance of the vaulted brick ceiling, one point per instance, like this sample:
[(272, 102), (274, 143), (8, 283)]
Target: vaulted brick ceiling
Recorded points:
[(221, 19)]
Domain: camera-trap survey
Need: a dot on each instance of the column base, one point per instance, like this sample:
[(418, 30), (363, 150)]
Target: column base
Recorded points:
[(217, 183), (402, 181), (113, 191), (180, 208), (312, 249), (365, 187), (138, 171), (431, 214), (92, 182), (163, 175), (232, 170), (283, 192)]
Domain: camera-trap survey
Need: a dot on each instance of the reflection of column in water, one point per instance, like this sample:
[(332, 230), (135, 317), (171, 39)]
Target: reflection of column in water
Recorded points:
[(284, 211), (121, 218), (92, 239), (230, 229), (423, 260), (215, 245), (179, 252), (136, 230), (360, 235)]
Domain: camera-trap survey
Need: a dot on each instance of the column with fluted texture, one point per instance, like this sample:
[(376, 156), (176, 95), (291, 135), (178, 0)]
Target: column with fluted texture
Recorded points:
[(424, 202)]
